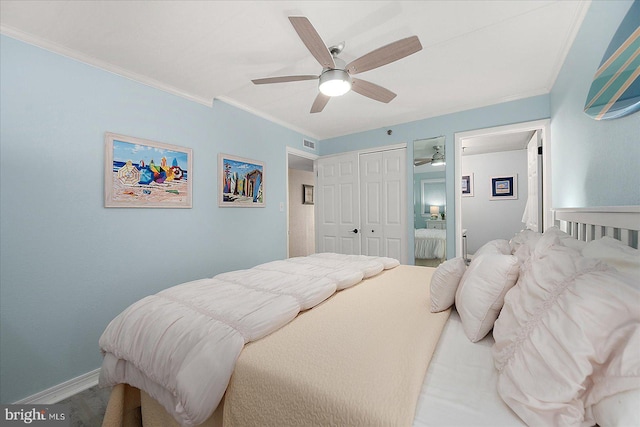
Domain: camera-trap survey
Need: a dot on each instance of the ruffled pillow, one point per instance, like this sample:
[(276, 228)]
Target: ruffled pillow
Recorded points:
[(623, 258), (524, 237), (566, 239), (567, 337), (444, 283)]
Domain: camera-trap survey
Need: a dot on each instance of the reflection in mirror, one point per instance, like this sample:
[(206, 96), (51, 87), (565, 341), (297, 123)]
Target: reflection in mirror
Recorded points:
[(429, 201)]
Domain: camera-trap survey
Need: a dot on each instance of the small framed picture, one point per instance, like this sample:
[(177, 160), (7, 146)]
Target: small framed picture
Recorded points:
[(467, 185), (241, 182), (504, 187), (307, 194)]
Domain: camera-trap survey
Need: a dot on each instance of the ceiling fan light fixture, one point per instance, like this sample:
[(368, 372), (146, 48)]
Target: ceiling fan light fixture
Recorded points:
[(438, 157), (335, 82)]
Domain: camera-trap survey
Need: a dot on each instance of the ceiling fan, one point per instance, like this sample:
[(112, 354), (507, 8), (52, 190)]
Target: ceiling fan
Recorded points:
[(436, 160), (335, 78)]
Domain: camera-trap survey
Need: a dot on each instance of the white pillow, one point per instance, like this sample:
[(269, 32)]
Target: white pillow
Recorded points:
[(623, 258), (444, 283), (621, 409), (498, 246), (567, 337), (566, 239), (524, 237), (481, 292), (523, 244)]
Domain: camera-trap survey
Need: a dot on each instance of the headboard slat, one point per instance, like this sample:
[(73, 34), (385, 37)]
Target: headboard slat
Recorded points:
[(586, 224)]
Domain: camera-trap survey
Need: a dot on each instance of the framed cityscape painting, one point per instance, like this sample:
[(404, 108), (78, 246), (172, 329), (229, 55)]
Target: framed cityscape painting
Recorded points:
[(241, 182), (139, 173)]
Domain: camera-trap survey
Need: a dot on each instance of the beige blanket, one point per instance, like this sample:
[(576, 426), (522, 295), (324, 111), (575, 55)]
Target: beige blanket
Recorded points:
[(359, 358)]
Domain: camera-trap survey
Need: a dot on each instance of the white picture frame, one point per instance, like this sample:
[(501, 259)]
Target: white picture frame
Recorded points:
[(503, 187)]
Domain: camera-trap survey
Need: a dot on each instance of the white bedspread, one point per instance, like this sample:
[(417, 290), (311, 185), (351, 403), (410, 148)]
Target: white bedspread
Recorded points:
[(430, 243), (164, 343), (460, 387)]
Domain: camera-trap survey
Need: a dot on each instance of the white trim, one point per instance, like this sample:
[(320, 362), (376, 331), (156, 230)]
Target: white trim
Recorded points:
[(581, 12), (545, 133), (306, 155), (625, 217), (370, 150), (98, 63), (301, 153), (63, 390)]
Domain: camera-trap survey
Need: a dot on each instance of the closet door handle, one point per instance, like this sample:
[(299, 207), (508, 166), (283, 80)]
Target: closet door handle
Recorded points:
[(355, 230)]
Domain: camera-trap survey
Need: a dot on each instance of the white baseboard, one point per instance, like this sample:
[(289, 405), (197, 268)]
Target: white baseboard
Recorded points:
[(62, 391)]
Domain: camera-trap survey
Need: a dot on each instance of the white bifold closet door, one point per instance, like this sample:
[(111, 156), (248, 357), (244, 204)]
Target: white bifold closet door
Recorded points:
[(338, 208), (362, 204)]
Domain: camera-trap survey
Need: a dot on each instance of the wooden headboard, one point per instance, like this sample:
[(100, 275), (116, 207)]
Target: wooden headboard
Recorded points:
[(586, 224)]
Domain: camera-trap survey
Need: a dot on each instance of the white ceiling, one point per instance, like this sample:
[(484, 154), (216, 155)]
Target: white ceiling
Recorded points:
[(496, 143), (475, 53)]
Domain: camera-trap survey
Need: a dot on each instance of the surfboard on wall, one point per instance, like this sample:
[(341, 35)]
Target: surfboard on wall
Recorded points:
[(615, 90)]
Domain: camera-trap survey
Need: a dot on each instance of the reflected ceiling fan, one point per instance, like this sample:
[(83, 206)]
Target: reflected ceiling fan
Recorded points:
[(436, 160), (335, 78)]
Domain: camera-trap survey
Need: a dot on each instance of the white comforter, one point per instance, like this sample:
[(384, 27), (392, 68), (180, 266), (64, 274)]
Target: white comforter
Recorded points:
[(180, 345)]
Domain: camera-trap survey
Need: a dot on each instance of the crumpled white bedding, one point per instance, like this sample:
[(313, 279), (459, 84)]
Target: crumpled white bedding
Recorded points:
[(180, 345), (430, 243)]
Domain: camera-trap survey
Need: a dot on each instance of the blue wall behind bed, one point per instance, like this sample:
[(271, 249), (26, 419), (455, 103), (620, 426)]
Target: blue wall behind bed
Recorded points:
[(67, 264), (604, 156)]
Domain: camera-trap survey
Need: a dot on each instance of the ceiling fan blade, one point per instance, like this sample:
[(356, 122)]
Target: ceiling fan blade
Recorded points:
[(385, 55), (371, 90), (420, 162), (283, 79), (312, 41), (319, 103)]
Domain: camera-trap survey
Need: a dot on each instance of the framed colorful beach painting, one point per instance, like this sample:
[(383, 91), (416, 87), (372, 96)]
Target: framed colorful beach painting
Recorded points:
[(504, 187), (139, 173), (241, 182)]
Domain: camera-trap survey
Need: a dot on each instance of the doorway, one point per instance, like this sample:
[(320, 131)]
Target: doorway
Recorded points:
[(301, 181), (487, 140)]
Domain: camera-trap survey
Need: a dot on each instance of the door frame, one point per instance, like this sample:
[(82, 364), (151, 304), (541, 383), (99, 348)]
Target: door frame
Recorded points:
[(544, 126), (306, 155)]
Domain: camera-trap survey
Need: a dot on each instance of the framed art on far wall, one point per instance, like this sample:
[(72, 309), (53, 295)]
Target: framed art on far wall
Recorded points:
[(307, 194), (504, 187), (467, 185), (241, 182), (133, 179)]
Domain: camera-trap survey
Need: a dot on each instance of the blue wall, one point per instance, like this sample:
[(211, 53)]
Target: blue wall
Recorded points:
[(420, 221), (604, 156), (67, 264)]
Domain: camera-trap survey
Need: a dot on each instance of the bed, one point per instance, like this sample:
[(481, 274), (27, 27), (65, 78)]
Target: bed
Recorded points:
[(459, 374), (430, 243)]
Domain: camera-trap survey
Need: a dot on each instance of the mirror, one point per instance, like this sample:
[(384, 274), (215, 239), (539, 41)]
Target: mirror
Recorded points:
[(429, 201)]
